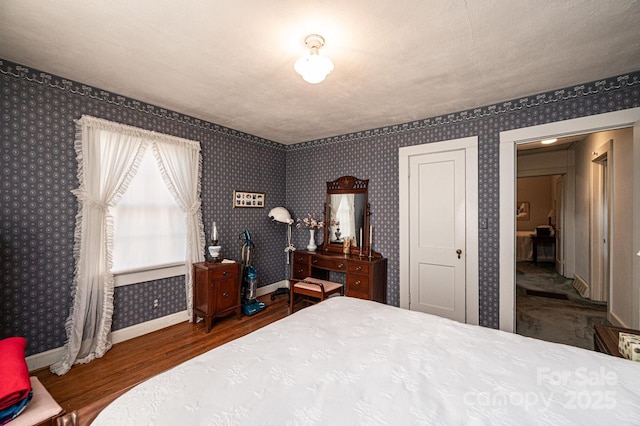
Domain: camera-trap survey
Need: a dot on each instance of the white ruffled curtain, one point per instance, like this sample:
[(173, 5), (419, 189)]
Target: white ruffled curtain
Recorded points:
[(108, 154), (351, 203), (345, 214), (334, 216), (180, 168)]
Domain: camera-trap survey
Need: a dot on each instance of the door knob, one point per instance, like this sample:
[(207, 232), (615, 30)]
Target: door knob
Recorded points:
[(459, 253)]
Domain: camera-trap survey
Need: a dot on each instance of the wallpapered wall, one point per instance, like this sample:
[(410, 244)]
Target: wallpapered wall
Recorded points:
[(37, 210), (373, 155), (38, 167)]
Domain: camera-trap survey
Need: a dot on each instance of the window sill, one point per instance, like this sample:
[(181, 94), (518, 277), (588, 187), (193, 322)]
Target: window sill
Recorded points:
[(122, 278)]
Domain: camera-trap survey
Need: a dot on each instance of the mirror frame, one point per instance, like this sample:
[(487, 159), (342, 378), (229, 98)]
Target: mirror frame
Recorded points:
[(347, 185)]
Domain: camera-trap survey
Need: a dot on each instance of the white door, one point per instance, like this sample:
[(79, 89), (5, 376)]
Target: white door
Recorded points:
[(437, 249)]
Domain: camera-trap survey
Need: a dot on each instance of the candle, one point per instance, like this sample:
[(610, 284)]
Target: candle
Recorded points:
[(370, 238), (360, 240)]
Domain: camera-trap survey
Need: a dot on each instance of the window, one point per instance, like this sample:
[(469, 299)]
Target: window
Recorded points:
[(149, 226), (109, 155)]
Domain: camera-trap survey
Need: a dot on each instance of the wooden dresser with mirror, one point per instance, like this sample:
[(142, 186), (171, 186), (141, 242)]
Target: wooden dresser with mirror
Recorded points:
[(346, 216)]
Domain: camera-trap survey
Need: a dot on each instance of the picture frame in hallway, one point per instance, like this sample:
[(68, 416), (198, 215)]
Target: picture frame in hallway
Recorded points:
[(523, 210)]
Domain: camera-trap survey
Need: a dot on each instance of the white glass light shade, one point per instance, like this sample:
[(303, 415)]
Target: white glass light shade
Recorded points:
[(214, 233), (313, 68)]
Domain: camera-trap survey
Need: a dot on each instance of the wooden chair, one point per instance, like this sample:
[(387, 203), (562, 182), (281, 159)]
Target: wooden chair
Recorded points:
[(313, 288)]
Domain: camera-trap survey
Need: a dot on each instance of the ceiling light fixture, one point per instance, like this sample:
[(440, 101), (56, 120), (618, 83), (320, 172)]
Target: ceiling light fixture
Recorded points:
[(548, 141), (312, 67)]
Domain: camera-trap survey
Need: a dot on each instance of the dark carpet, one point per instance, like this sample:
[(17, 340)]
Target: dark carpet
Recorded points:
[(548, 294), (549, 308)]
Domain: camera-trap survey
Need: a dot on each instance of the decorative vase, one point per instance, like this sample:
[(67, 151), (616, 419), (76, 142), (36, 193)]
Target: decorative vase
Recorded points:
[(312, 240)]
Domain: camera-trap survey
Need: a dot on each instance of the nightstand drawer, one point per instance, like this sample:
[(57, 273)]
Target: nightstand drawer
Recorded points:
[(331, 264), (226, 294), (225, 272), (301, 271), (358, 286), (359, 267), (300, 258)]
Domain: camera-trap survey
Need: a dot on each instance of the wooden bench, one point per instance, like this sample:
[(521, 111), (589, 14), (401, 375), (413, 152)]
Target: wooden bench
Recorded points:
[(313, 288)]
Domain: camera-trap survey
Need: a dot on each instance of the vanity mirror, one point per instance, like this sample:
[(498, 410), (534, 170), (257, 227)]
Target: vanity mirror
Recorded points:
[(365, 271), (347, 214)]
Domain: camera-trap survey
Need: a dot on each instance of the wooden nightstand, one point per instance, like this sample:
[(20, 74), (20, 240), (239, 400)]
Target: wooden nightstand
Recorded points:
[(216, 290), (605, 338), (542, 240)]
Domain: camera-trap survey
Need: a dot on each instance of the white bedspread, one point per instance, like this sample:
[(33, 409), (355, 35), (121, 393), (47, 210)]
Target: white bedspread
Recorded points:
[(524, 248), (351, 362), (524, 245)]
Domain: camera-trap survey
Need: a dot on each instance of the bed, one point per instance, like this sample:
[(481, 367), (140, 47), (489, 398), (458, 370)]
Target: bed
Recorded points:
[(524, 248), (350, 361), (524, 245)]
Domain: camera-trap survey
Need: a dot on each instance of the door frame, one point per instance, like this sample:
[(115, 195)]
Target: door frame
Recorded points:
[(568, 170), (470, 146), (600, 205), (508, 141), (559, 226)]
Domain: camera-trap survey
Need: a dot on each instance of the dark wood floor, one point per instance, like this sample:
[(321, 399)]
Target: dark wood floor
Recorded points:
[(136, 360)]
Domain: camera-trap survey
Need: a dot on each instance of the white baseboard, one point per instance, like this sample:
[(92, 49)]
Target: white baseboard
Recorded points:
[(45, 359), (582, 286), (272, 287), (148, 327)]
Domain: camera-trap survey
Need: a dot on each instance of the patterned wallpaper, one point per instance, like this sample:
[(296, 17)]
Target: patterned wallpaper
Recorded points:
[(38, 171), (373, 155), (37, 210)]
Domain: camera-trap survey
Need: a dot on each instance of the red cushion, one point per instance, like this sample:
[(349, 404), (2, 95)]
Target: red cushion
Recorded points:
[(14, 373)]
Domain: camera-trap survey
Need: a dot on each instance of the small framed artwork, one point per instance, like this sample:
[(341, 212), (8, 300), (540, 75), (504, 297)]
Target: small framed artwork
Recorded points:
[(244, 199), (522, 210)]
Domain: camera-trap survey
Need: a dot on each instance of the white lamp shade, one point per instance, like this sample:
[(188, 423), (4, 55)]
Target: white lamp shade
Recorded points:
[(280, 214), (313, 68)]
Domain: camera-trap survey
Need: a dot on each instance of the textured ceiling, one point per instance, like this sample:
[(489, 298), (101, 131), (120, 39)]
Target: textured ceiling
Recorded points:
[(231, 62)]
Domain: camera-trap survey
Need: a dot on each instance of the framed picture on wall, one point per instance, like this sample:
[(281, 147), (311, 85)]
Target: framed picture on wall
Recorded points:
[(522, 210), (245, 199)]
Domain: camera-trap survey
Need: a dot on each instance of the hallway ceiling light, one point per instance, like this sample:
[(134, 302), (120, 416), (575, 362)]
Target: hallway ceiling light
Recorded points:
[(548, 141), (312, 67)]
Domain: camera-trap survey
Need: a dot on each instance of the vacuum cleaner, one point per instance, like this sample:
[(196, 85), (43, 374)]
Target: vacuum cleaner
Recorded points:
[(250, 305)]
